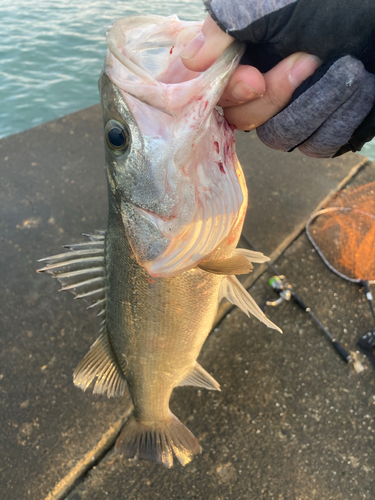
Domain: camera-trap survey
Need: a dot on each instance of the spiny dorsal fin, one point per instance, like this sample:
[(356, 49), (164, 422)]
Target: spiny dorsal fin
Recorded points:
[(81, 270), (100, 363), (232, 290), (200, 378), (238, 264)]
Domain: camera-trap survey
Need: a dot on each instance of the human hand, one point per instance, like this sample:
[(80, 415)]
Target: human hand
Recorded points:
[(250, 98), (333, 110)]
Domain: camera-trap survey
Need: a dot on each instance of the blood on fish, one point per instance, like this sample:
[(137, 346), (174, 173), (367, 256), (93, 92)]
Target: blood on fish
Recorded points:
[(150, 280), (202, 109), (226, 151), (216, 144), (221, 166), (171, 49)]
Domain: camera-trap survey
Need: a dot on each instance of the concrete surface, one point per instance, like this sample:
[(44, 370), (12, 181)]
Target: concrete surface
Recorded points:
[(293, 421), (52, 190)]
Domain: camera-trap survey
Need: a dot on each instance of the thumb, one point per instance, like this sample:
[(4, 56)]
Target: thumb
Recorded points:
[(206, 47), (281, 82)]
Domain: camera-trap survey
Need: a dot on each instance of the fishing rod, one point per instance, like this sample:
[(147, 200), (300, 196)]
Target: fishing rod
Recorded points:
[(286, 292)]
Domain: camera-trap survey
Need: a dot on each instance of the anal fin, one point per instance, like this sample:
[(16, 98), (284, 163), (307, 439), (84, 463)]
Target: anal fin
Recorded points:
[(101, 364), (232, 290), (200, 378)]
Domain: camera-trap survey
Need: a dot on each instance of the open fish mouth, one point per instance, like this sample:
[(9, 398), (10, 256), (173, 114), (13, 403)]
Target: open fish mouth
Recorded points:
[(180, 182)]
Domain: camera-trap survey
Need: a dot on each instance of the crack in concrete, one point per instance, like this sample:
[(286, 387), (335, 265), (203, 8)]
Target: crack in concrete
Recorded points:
[(87, 462)]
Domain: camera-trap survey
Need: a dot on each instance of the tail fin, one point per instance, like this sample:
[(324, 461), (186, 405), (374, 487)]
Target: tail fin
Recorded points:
[(158, 441)]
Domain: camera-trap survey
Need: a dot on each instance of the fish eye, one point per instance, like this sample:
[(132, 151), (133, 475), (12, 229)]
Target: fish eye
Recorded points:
[(117, 136)]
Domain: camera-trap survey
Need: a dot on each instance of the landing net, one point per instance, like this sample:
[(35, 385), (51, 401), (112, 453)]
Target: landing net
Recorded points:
[(344, 234)]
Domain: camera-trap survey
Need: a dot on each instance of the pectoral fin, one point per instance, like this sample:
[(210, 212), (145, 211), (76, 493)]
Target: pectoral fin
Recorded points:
[(256, 257), (238, 264), (232, 290), (200, 378)]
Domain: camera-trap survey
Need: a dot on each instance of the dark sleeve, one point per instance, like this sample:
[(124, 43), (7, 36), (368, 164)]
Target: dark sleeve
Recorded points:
[(274, 29), (331, 30)]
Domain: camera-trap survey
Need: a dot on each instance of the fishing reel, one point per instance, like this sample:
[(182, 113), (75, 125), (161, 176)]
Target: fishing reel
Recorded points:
[(367, 345), (282, 287), (368, 340), (286, 292)]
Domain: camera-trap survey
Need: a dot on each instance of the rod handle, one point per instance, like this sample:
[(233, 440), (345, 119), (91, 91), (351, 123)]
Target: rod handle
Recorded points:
[(299, 301)]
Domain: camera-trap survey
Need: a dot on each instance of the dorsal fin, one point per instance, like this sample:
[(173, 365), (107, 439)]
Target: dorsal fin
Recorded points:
[(232, 290), (200, 378), (81, 270), (101, 364)]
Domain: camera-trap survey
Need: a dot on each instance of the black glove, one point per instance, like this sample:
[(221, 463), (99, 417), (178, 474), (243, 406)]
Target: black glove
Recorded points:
[(333, 111)]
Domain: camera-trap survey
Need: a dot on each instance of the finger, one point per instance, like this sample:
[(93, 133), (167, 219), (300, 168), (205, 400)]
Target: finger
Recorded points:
[(330, 106), (206, 47), (281, 82), (340, 125), (247, 83)]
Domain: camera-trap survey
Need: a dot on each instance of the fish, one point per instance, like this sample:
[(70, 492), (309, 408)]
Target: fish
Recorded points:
[(177, 199)]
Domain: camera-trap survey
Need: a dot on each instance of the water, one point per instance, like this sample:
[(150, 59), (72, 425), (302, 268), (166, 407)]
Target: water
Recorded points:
[(52, 51)]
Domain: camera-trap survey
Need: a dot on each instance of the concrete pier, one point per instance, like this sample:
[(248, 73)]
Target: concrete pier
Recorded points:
[(293, 421)]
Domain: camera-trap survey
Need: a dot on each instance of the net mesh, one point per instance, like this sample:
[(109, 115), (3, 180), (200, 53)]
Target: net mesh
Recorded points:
[(344, 233)]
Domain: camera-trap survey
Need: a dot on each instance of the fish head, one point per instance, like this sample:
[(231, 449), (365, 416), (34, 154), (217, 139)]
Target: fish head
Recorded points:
[(171, 166)]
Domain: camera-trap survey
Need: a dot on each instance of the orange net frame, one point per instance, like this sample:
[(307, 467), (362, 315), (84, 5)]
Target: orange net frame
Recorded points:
[(344, 233)]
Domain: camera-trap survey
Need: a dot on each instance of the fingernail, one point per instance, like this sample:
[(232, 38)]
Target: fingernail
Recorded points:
[(303, 68), (243, 92), (192, 48)]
